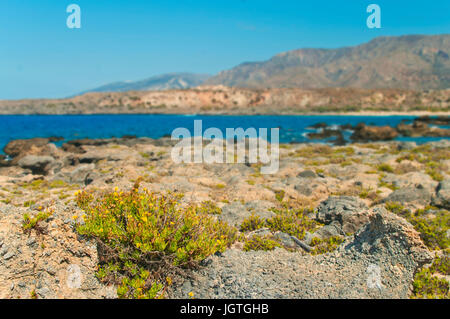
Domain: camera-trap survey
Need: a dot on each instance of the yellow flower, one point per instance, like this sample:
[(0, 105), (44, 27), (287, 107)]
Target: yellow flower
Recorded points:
[(191, 294), (75, 217)]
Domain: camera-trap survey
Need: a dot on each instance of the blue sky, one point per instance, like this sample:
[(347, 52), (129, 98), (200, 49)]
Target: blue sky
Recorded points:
[(135, 39)]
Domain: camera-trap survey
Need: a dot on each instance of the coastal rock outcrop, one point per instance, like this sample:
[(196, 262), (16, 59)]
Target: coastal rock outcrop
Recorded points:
[(363, 132), (379, 261), (346, 213)]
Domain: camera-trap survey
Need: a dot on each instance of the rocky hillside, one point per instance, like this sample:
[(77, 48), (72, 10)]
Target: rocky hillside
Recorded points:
[(408, 62), (155, 83), (224, 100)]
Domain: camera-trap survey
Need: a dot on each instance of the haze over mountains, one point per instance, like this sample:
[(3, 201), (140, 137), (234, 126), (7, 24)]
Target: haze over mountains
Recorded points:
[(156, 83), (414, 62)]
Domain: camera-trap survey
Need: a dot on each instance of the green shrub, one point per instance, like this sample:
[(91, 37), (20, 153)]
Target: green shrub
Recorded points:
[(252, 223), (385, 168), (146, 236), (433, 231), (33, 222), (260, 243), (209, 207), (429, 283), (29, 203), (279, 195), (321, 246), (293, 222)]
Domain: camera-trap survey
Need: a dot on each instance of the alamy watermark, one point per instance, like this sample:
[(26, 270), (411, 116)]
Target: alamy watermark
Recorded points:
[(74, 276), (240, 146), (374, 277), (74, 19), (374, 20)]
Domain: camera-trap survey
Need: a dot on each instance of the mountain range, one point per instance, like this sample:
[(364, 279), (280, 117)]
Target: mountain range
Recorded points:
[(415, 62), (155, 83)]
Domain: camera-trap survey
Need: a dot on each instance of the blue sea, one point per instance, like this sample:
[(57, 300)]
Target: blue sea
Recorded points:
[(293, 128)]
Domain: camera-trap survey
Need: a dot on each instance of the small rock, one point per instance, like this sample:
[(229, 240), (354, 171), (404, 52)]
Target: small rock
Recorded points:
[(307, 174), (9, 255), (285, 239)]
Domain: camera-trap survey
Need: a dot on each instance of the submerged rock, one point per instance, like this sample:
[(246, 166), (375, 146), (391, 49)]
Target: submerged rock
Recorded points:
[(363, 132)]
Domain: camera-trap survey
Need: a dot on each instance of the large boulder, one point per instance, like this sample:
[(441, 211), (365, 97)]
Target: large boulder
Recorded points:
[(18, 149), (345, 213), (410, 195), (442, 197), (378, 262), (82, 174), (39, 165)]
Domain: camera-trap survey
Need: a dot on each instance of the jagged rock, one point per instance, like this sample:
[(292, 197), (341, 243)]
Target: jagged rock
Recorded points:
[(390, 234), (442, 197), (39, 165), (378, 262), (350, 213)]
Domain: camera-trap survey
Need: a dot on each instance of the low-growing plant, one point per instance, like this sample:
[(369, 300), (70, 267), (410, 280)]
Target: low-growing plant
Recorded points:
[(321, 246), (433, 230), (261, 243), (252, 223), (209, 207), (29, 203), (385, 168), (145, 237), (33, 222), (431, 283), (294, 222), (279, 195)]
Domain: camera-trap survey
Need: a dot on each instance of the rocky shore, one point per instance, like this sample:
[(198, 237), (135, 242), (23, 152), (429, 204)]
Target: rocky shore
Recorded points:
[(385, 203), (423, 126)]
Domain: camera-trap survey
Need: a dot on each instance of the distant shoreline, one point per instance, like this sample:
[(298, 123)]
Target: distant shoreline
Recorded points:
[(243, 101)]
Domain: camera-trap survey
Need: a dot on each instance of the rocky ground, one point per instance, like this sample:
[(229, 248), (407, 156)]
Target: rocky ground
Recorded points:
[(348, 187)]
